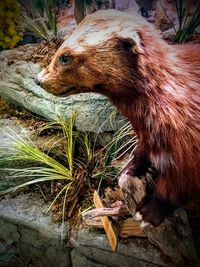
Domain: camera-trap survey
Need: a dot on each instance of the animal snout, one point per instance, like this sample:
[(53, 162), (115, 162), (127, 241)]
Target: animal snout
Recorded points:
[(37, 81), (41, 77)]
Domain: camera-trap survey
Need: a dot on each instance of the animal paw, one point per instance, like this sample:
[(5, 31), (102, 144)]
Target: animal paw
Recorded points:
[(153, 210)]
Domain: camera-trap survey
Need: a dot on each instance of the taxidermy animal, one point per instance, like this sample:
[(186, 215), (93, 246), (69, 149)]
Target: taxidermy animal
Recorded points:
[(154, 84)]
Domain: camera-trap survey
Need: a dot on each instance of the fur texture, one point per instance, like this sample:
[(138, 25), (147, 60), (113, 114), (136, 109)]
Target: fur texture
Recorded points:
[(155, 85)]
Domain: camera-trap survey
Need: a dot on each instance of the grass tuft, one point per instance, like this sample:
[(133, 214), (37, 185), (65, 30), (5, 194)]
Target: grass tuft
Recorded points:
[(42, 23), (189, 19), (78, 165)]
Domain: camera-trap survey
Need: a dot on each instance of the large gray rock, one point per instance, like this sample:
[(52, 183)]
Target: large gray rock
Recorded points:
[(95, 248), (25, 227), (94, 112)]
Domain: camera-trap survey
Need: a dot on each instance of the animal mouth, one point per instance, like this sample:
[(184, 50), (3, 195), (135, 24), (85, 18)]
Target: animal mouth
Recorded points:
[(72, 90)]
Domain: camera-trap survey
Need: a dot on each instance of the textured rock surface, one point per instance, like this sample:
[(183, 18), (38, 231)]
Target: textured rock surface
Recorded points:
[(17, 85), (174, 238), (133, 252), (29, 232), (25, 226)]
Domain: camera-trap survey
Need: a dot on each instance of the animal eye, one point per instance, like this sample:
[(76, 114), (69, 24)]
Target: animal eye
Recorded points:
[(65, 59)]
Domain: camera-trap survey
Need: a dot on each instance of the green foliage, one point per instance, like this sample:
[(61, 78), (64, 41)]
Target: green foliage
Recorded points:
[(48, 168), (77, 162), (123, 143), (69, 137), (189, 19), (10, 33), (43, 23)]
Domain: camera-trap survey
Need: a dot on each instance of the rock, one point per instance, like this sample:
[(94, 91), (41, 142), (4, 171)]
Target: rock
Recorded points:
[(78, 260), (134, 252), (24, 225), (174, 238), (27, 233), (93, 112)]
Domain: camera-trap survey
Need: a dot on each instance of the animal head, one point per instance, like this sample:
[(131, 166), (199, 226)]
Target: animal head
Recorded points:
[(100, 56)]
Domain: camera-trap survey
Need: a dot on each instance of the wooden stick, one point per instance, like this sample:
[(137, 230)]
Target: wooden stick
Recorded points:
[(106, 223)]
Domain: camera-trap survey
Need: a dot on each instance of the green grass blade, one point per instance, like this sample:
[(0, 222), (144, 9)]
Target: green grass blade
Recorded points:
[(13, 189)]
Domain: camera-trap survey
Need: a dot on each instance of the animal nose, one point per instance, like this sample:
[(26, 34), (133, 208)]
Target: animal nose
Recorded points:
[(37, 81)]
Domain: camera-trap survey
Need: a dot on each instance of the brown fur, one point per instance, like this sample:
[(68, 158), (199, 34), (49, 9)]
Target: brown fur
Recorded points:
[(156, 86)]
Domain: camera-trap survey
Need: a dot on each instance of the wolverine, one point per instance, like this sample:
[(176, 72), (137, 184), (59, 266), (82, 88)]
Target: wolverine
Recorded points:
[(153, 84)]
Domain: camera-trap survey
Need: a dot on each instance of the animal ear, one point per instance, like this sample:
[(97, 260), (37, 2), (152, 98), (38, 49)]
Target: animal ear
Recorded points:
[(132, 40)]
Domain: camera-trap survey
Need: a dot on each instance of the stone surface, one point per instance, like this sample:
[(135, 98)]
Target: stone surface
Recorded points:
[(26, 232), (78, 260), (24, 225), (132, 252), (174, 238), (93, 112)]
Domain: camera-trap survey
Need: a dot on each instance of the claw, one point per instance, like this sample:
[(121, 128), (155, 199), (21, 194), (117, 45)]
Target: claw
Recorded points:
[(138, 216), (144, 224)]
